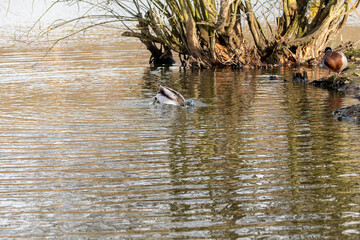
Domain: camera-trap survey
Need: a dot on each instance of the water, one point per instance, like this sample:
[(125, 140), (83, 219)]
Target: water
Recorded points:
[(84, 155)]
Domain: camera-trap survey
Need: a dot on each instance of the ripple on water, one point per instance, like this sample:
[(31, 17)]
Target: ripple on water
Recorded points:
[(84, 155)]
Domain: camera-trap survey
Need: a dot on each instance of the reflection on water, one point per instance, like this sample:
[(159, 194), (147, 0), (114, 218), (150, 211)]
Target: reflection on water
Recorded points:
[(84, 155)]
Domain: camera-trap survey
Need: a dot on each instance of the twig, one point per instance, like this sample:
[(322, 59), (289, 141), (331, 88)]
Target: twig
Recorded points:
[(70, 35)]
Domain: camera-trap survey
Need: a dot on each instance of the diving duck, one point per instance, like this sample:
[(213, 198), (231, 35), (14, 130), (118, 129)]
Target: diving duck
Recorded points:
[(334, 61), (167, 95)]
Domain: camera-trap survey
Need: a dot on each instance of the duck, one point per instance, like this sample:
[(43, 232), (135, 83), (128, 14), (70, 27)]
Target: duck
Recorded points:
[(167, 95), (334, 61)]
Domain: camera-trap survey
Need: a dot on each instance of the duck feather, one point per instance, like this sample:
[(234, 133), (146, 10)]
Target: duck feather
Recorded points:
[(172, 95), (335, 61)]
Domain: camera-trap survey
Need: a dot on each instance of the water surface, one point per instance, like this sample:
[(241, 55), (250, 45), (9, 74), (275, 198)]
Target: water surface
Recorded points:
[(84, 155)]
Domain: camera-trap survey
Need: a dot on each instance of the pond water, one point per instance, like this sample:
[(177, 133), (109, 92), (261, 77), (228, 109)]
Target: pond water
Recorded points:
[(84, 155)]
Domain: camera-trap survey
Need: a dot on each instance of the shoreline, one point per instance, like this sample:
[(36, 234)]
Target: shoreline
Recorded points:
[(348, 82)]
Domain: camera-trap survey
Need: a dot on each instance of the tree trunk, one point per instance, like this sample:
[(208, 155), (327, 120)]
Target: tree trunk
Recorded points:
[(207, 34), (301, 38)]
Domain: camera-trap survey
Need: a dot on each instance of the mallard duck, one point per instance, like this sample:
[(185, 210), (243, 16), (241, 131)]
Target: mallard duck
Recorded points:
[(334, 61), (167, 95)]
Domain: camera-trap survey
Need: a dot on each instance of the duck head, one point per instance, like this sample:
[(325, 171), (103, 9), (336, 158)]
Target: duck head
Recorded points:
[(189, 103), (328, 49)]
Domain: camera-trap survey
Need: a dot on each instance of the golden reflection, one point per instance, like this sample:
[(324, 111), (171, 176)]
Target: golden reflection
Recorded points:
[(84, 154), (256, 143)]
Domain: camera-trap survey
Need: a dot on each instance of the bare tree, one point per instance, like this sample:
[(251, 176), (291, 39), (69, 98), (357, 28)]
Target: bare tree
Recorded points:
[(303, 29), (207, 33)]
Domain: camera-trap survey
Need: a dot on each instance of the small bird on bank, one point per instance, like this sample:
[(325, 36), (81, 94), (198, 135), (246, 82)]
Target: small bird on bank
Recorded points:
[(167, 95), (334, 61)]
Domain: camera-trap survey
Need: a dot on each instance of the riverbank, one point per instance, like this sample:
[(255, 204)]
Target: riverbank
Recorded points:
[(349, 83)]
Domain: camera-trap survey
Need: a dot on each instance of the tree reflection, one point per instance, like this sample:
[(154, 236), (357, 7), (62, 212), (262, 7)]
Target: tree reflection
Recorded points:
[(260, 151)]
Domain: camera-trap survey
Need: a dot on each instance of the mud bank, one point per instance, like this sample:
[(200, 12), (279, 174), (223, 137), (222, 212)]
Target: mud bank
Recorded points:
[(348, 85), (351, 114), (347, 82)]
